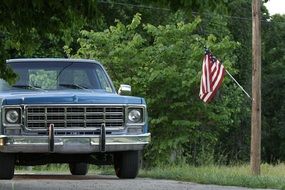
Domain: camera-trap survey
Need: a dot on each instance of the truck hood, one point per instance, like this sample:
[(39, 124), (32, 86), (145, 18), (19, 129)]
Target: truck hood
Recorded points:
[(66, 97)]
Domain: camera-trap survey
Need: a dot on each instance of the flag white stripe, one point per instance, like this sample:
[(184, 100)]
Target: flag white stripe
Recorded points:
[(216, 71), (203, 89), (207, 75), (212, 76), (205, 99), (218, 79)]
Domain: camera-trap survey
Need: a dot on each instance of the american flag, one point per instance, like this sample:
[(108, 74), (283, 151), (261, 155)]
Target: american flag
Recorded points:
[(212, 77)]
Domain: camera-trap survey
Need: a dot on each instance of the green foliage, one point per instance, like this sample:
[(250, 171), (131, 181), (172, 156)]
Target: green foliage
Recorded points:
[(194, 5), (273, 89), (40, 28), (163, 64)]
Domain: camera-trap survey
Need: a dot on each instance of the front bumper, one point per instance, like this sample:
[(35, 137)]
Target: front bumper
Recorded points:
[(72, 144)]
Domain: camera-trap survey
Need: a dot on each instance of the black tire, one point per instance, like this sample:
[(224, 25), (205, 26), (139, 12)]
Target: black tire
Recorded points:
[(7, 166), (78, 168), (126, 164)]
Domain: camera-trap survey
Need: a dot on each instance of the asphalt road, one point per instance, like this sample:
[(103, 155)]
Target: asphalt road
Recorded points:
[(95, 182)]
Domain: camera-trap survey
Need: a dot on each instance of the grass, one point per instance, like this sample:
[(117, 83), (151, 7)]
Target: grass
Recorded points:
[(271, 176), (63, 169)]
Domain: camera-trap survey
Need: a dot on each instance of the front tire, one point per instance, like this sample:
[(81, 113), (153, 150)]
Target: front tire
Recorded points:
[(7, 166), (126, 164), (78, 168)]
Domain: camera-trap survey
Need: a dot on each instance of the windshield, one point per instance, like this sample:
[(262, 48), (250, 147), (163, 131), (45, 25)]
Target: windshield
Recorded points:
[(58, 75)]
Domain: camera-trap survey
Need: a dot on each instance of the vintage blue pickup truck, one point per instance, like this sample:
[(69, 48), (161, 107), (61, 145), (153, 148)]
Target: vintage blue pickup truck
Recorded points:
[(67, 111)]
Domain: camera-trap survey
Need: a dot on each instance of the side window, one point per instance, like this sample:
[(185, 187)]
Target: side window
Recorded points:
[(43, 79), (104, 82)]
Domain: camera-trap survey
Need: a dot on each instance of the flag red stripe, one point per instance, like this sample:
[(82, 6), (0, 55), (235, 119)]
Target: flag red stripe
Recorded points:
[(212, 95), (212, 77)]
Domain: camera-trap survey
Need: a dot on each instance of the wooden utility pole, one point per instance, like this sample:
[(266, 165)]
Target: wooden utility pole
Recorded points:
[(256, 89)]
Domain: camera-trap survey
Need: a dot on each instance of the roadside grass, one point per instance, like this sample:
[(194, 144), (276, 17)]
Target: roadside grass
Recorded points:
[(271, 176), (43, 169), (63, 169)]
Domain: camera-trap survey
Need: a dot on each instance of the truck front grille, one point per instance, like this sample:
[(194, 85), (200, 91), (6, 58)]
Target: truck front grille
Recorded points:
[(74, 117)]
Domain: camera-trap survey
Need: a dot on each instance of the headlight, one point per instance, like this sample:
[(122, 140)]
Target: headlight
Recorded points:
[(135, 115), (12, 116)]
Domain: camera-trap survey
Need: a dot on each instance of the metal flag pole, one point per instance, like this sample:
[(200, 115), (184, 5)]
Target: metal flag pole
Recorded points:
[(238, 84)]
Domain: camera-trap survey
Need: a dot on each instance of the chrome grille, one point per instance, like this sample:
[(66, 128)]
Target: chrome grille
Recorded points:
[(75, 117)]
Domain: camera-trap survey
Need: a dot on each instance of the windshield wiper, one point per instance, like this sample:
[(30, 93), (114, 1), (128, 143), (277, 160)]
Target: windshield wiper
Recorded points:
[(26, 86), (59, 73), (73, 86)]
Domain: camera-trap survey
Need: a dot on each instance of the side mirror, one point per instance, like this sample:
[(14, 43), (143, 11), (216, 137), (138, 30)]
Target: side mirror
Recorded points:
[(125, 89)]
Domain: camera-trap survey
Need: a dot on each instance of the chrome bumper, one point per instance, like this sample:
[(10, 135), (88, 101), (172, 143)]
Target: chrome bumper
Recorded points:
[(72, 144)]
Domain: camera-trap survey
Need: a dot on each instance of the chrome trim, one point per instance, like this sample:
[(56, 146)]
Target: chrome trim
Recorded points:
[(51, 138), (64, 115), (125, 89), (26, 130), (72, 144)]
